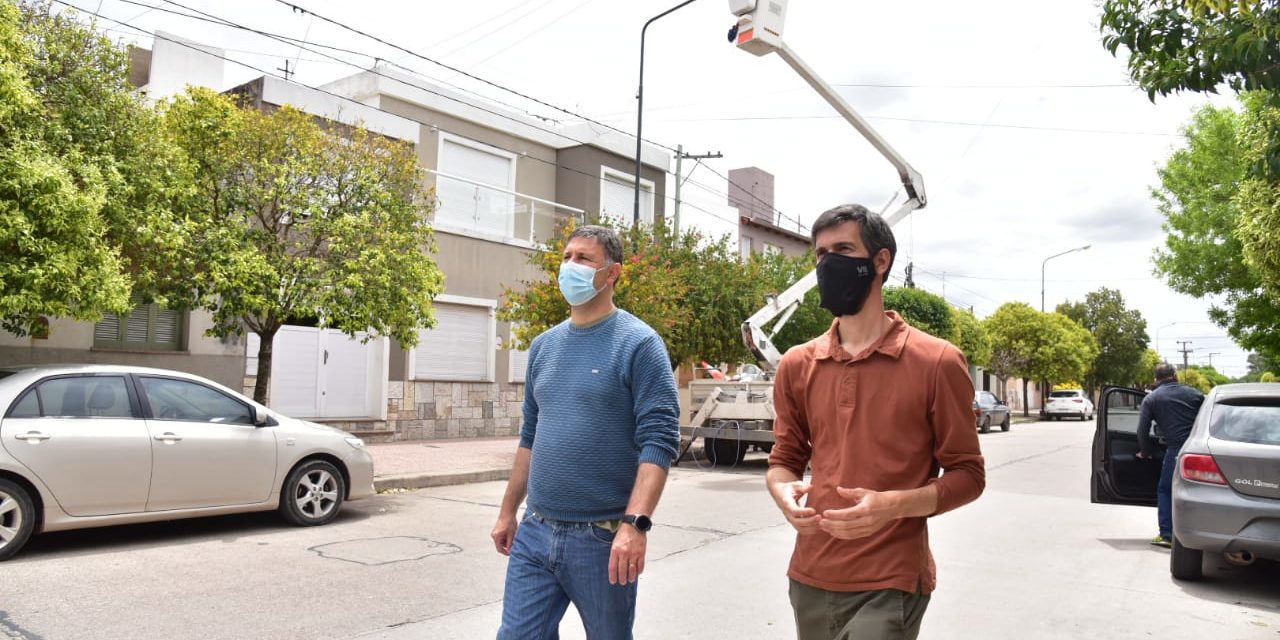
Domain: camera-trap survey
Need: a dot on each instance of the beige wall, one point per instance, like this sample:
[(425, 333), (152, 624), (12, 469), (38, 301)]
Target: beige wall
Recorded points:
[(578, 179), (790, 245), (71, 341)]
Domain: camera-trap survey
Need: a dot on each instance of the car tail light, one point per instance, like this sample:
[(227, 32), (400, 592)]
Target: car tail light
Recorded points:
[(1201, 468), (1077, 401)]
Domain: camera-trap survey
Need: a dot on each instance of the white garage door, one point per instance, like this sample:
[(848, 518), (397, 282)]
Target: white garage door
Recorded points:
[(321, 373)]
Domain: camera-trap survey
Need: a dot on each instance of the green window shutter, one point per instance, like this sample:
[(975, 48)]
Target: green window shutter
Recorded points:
[(147, 327)]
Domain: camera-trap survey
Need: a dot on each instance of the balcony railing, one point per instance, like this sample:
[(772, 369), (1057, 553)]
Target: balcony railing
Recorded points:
[(473, 208)]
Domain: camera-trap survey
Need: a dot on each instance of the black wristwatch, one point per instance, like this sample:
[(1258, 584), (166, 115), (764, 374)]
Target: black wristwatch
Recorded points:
[(641, 522)]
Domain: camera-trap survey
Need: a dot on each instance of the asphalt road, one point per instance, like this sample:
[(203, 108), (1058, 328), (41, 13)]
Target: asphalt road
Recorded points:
[(1031, 559)]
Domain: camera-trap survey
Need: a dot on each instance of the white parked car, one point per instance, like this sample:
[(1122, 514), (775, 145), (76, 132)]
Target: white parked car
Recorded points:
[(1069, 403), (94, 445)]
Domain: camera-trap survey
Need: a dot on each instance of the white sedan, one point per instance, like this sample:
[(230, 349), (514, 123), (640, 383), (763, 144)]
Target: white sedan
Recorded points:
[(94, 445)]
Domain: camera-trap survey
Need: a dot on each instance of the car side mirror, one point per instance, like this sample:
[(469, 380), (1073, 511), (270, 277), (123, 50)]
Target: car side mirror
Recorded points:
[(260, 417)]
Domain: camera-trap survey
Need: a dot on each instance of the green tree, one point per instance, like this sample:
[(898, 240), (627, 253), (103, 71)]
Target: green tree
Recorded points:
[(1194, 378), (1121, 334), (1267, 376), (87, 191), (1203, 254), (779, 272), (1146, 371), (1212, 375), (1032, 345), (969, 335), (297, 218), (925, 311), (1196, 45)]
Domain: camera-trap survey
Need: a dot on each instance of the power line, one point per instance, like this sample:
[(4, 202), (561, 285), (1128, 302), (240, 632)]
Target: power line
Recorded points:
[(873, 85), (926, 121), (459, 71)]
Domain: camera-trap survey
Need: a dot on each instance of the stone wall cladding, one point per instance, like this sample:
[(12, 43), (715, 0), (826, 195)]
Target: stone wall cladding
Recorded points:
[(440, 410)]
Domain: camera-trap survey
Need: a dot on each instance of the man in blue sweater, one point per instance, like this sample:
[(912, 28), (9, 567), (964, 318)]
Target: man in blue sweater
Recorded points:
[(601, 427), (1173, 407)]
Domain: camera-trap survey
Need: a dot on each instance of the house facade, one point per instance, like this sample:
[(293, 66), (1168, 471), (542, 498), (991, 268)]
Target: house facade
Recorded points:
[(761, 229)]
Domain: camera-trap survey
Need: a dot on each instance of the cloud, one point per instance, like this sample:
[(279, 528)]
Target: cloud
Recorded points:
[(1126, 220)]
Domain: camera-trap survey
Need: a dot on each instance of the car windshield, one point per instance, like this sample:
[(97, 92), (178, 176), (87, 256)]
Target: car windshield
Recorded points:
[(1247, 423), (1064, 394)]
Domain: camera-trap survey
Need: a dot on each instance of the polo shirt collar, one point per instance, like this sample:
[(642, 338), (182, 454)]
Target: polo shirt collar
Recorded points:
[(891, 343)]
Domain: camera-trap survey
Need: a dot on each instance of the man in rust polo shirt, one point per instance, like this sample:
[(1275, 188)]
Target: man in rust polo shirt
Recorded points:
[(877, 408)]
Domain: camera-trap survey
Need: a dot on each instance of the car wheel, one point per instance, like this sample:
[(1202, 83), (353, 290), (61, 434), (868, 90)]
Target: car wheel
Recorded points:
[(17, 518), (1185, 564), (986, 425), (312, 494), (1004, 424)]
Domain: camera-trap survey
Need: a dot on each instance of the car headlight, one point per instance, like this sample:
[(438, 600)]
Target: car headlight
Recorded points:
[(356, 443)]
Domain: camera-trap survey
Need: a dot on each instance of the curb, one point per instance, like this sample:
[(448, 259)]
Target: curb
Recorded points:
[(424, 480)]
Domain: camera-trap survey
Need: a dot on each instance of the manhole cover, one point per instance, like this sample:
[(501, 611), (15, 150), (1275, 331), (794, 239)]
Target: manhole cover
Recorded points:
[(377, 551)]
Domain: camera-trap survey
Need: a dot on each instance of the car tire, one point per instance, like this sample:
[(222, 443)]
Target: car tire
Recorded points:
[(312, 494), (1004, 424), (986, 425), (1185, 564), (725, 451), (18, 515)]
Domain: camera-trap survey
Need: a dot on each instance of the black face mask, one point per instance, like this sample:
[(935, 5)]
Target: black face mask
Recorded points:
[(844, 283)]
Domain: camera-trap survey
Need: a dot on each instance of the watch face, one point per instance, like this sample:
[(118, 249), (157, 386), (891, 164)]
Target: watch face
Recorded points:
[(641, 522)]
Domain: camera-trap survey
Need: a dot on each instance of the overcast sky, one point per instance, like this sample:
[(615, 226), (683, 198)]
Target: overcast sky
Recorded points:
[(1030, 140)]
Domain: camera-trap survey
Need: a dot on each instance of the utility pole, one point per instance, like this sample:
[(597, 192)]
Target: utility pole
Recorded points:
[(1211, 355), (681, 155), (911, 282), (1185, 352)]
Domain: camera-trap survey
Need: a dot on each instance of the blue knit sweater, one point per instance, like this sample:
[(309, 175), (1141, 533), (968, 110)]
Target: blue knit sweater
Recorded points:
[(598, 401)]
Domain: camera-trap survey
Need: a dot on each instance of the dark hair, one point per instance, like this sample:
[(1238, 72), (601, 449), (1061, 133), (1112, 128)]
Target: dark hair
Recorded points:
[(1165, 371), (875, 232), (608, 238)]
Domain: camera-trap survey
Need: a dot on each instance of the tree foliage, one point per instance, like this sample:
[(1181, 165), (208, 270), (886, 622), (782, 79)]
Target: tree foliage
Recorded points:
[(1196, 45), (1194, 378), (1121, 334), (970, 336), (694, 293), (297, 218), (1033, 345), (925, 311), (1202, 196), (87, 187)]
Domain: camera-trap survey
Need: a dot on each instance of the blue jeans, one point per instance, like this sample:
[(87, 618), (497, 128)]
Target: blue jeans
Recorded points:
[(554, 563), (1164, 493)]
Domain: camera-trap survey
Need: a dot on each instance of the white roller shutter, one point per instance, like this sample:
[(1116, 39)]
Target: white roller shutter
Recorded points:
[(460, 347), (618, 198), (519, 365)]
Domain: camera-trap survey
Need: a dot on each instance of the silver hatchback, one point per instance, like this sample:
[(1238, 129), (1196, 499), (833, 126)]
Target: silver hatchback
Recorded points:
[(1226, 489), (95, 445)]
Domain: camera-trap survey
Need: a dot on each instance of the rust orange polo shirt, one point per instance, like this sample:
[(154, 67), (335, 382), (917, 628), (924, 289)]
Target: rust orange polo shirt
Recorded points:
[(889, 418)]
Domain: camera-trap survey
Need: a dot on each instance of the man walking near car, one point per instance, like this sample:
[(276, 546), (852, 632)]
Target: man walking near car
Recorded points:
[(600, 430), (1173, 407), (875, 408)]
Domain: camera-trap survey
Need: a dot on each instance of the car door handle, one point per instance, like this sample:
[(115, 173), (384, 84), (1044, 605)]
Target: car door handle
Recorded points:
[(168, 437), (33, 437)]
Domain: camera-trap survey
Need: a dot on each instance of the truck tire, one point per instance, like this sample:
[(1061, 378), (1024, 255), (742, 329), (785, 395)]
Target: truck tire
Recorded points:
[(725, 451)]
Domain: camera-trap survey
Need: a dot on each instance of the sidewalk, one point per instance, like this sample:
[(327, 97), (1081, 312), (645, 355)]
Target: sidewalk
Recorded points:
[(433, 463)]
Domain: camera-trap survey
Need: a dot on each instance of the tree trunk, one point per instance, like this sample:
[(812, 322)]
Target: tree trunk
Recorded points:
[(1026, 399), (260, 386)]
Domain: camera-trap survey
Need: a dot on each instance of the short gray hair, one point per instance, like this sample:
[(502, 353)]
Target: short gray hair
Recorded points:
[(876, 233), (608, 238), (1165, 371)]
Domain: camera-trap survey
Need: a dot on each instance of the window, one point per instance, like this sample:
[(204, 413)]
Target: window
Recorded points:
[(1247, 423), (461, 345), (478, 196), (148, 327), (618, 196), (744, 247), (183, 400), (77, 397)]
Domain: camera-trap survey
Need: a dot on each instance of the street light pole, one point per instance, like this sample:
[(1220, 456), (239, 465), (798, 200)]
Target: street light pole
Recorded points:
[(1046, 261), (635, 219)]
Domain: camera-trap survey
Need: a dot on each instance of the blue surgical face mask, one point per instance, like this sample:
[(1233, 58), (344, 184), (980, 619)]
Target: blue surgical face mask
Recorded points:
[(577, 282)]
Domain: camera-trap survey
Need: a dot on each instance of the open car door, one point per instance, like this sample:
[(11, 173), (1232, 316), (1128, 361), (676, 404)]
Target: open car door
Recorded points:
[(1119, 476)]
